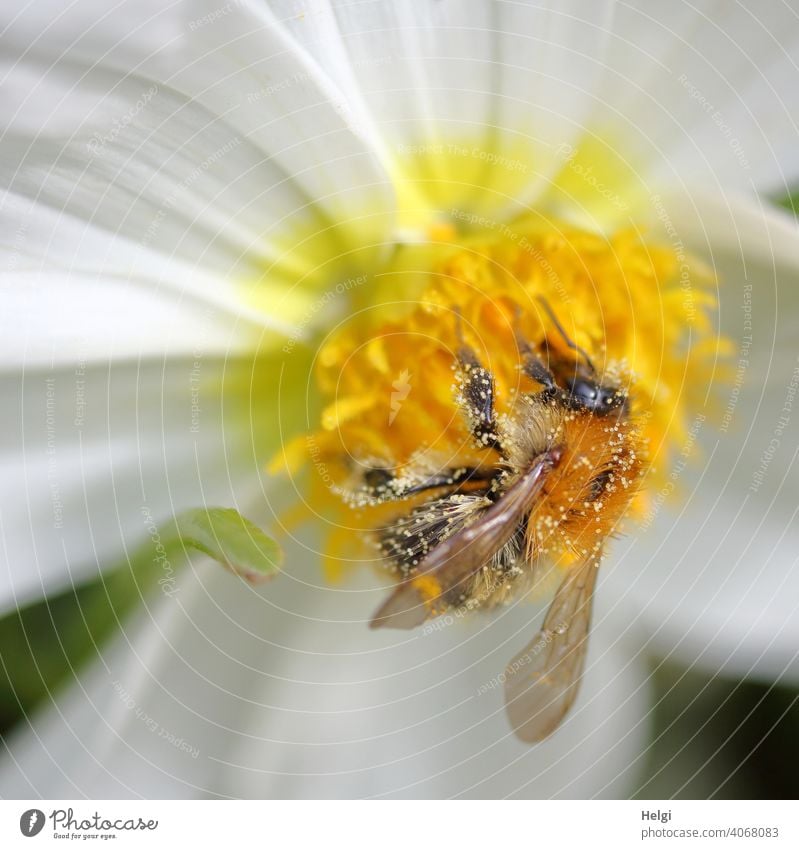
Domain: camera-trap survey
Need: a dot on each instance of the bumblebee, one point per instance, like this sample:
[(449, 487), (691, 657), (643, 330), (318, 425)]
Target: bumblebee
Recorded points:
[(558, 471)]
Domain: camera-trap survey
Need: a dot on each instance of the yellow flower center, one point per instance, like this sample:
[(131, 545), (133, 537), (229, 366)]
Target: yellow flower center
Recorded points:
[(387, 372)]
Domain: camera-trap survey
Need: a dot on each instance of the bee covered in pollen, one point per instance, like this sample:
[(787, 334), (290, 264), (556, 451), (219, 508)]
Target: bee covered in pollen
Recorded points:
[(559, 470), (476, 489)]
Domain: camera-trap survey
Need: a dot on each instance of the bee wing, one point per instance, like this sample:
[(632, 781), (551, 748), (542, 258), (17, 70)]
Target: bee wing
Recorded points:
[(463, 554), (541, 682)]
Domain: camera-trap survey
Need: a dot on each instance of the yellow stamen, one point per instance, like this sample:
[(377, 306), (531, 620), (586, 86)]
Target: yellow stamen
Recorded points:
[(639, 312)]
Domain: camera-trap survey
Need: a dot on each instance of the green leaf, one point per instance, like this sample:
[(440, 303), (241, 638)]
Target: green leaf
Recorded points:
[(44, 644), (232, 540), (790, 202)]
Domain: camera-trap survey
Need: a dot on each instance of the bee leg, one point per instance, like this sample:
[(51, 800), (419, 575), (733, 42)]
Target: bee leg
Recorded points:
[(533, 367), (450, 480), (384, 485), (476, 397), (476, 392)]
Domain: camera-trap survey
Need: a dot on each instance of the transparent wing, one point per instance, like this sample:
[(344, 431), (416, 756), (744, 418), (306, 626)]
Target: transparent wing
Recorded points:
[(541, 682), (442, 574)]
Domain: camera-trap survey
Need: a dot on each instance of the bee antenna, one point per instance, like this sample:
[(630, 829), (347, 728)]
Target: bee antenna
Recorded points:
[(521, 343), (572, 344)]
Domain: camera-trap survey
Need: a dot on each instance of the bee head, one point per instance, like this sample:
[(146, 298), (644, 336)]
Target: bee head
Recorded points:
[(586, 392)]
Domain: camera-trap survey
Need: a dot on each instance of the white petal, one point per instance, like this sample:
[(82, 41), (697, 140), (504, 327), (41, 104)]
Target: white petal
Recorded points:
[(747, 240), (90, 452), (286, 693), (480, 79), (232, 64), (705, 91), (686, 98), (454, 70), (715, 579), (641, 97), (73, 295), (154, 159)]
